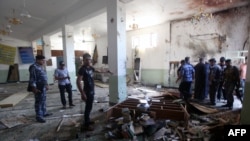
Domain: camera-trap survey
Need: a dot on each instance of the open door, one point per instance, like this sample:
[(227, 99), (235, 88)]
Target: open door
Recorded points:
[(137, 70), (13, 74)]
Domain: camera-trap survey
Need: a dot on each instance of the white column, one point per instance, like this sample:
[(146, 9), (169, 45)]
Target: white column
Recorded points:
[(46, 44), (34, 46), (245, 112), (69, 53), (116, 18)]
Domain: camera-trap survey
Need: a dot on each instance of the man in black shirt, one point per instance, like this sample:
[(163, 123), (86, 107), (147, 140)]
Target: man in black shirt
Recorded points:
[(221, 90), (85, 74), (214, 80)]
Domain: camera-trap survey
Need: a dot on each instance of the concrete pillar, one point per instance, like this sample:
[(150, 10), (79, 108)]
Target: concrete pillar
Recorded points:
[(69, 53), (46, 45), (116, 18), (245, 112), (34, 46)]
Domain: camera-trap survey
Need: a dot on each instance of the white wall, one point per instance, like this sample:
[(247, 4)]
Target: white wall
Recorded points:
[(56, 44), (174, 43), (149, 61), (102, 49), (152, 58)]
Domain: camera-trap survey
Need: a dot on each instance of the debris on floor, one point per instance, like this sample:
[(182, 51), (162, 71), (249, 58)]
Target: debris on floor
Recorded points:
[(13, 99), (14, 121), (147, 115), (165, 119)]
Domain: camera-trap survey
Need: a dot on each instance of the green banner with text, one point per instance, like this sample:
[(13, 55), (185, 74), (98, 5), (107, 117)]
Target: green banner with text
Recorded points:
[(7, 54)]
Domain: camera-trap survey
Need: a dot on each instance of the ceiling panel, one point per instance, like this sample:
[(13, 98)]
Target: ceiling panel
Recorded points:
[(144, 12)]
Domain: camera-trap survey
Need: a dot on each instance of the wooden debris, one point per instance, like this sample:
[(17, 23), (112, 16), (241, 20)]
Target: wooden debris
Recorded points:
[(101, 85), (138, 129), (187, 115), (14, 121), (13, 100), (160, 134), (66, 116), (203, 108), (59, 125)]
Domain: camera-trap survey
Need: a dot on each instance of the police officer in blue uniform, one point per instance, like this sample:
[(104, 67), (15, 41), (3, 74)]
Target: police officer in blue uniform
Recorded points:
[(39, 83)]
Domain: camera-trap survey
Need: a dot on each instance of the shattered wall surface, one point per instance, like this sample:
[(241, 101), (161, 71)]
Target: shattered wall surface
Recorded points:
[(226, 31), (213, 37)]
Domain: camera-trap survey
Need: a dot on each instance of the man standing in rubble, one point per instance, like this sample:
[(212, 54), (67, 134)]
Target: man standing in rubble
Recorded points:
[(214, 80), (231, 81), (200, 80), (85, 74), (39, 83), (221, 90), (62, 75), (187, 77)]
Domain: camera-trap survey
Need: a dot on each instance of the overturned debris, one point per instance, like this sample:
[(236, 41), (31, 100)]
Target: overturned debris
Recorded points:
[(165, 109)]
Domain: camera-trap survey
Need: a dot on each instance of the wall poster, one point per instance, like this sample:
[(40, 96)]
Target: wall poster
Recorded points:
[(7, 54), (26, 55)]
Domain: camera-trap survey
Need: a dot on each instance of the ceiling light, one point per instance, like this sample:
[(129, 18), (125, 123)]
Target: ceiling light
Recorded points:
[(3, 32), (126, 1), (13, 20), (6, 30), (134, 26), (200, 16)]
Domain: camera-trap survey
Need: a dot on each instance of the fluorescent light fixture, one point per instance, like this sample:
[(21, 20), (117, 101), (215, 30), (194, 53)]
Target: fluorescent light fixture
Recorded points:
[(126, 1)]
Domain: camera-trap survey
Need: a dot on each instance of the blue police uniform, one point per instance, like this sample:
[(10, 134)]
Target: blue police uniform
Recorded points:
[(38, 79)]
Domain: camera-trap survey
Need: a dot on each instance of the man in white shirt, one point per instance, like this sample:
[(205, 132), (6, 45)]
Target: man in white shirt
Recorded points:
[(62, 75)]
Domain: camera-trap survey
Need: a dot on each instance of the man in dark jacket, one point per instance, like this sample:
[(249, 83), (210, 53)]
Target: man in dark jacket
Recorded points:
[(200, 80), (221, 90), (231, 81), (214, 79)]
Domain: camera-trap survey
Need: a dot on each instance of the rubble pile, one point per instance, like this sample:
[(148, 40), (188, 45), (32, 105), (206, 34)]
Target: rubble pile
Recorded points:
[(157, 121)]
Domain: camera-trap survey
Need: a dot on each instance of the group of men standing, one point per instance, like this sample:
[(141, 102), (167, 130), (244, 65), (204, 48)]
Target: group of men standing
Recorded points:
[(212, 80), (39, 85)]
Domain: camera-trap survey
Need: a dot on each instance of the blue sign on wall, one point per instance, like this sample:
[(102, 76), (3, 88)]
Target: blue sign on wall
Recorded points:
[(26, 55)]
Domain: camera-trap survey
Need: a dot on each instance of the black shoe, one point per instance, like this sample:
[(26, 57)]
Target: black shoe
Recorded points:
[(72, 105), (226, 105), (213, 104), (230, 106), (41, 120), (92, 122), (48, 114), (88, 128), (64, 107)]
